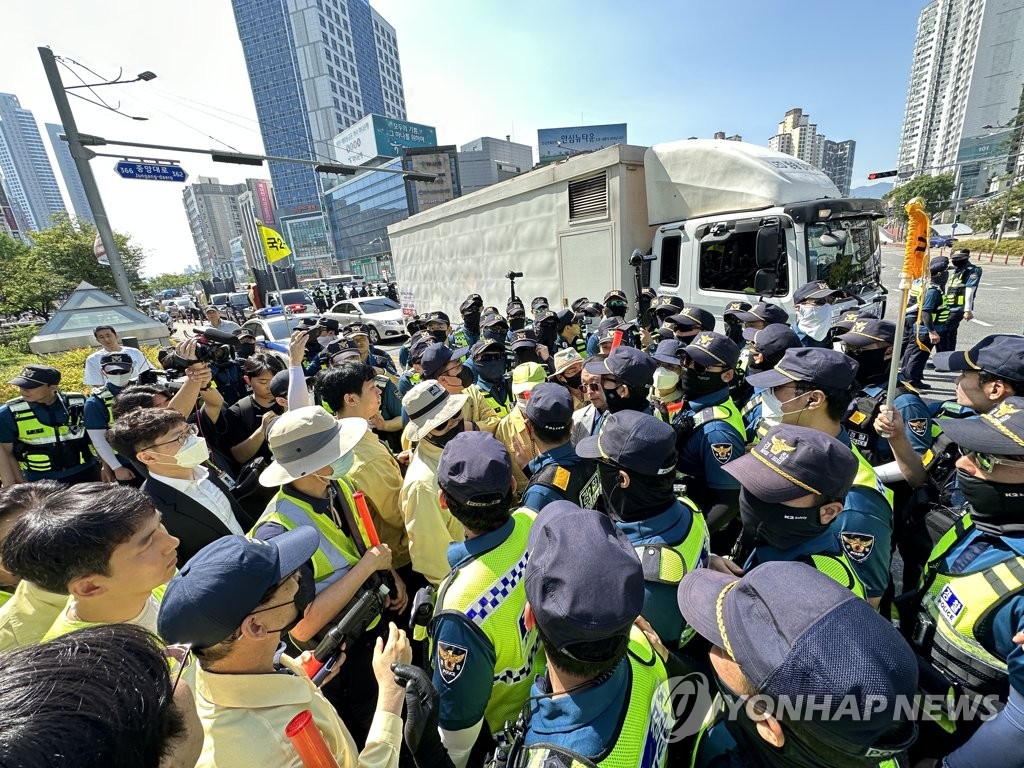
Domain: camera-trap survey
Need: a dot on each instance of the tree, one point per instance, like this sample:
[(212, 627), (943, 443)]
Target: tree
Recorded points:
[(167, 280), (937, 192), (29, 285), (985, 217)]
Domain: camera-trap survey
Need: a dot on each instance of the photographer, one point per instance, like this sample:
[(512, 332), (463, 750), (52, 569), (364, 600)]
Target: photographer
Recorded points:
[(243, 431)]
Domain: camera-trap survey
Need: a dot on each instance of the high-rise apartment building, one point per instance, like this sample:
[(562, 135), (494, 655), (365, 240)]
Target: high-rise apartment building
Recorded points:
[(9, 220), (316, 67), (487, 161), (28, 175), (799, 137), (967, 72), (837, 162), (68, 169), (212, 210)]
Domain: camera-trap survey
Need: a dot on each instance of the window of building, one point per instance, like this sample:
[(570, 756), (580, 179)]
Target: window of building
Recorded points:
[(337, 103), (327, 40)]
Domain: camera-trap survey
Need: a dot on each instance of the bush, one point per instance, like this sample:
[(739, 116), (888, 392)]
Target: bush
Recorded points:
[(14, 341), (71, 365), (1010, 246)]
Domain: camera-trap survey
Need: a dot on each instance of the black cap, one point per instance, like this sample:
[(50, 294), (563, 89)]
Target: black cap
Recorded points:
[(437, 317), (539, 302), (243, 333), (792, 461), (772, 340), (781, 620), (486, 345), (550, 406), (633, 440), (223, 583), (764, 312), (1000, 431), (864, 333), (821, 367), (961, 255), (357, 329), (33, 376), (545, 317), (615, 296), (568, 317), (437, 356), (669, 351), (330, 324), (666, 303), (339, 351), (475, 469), (116, 362), (279, 384), (816, 289), (938, 264), (1000, 354), (694, 317), (606, 329), (578, 558), (578, 304), (475, 300), (708, 348), (492, 320), (735, 306), (848, 318), (418, 345), (515, 310), (524, 337), (592, 309), (627, 364)]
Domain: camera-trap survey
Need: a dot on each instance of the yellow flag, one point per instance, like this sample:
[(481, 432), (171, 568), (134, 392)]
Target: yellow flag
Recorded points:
[(274, 245)]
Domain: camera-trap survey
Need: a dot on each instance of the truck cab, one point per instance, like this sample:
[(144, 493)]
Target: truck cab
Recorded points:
[(756, 225)]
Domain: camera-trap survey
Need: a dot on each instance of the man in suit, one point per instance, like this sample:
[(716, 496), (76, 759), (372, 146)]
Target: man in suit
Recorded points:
[(192, 495)]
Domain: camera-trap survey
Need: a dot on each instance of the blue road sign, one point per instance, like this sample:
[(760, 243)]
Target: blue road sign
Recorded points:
[(151, 171)]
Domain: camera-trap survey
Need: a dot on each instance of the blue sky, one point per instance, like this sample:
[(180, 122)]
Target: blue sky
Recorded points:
[(476, 67)]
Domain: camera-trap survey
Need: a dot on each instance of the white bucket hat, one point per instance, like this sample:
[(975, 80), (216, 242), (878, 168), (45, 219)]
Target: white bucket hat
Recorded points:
[(429, 406), (306, 440)]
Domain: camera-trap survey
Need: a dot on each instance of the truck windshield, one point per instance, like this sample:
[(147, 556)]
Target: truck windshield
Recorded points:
[(857, 262)]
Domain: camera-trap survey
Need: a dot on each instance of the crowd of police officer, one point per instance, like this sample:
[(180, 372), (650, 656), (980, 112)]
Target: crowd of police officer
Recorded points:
[(617, 541)]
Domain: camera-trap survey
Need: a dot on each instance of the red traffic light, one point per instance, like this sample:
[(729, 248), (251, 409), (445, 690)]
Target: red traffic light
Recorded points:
[(882, 174)]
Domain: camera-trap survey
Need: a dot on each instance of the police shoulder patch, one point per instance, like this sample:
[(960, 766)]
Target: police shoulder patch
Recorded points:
[(451, 660), (722, 452), (857, 545), (918, 426), (561, 478)]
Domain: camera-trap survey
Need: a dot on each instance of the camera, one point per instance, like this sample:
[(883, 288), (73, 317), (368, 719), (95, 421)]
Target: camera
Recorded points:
[(212, 346), (513, 275), (638, 257)]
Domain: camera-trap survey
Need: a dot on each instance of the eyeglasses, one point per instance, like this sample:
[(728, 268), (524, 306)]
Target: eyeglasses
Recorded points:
[(987, 461), (179, 658), (592, 385), (191, 430)]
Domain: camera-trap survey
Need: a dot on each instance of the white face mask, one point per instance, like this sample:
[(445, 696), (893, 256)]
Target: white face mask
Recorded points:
[(324, 341), (665, 379), (342, 466), (193, 453), (771, 408), (119, 379), (814, 321)]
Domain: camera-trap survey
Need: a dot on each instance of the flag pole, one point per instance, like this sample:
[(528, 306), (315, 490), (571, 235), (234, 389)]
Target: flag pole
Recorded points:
[(271, 259), (915, 251)]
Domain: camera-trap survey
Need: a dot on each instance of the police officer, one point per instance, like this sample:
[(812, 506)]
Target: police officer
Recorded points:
[(813, 387), (438, 326), (554, 469), (663, 307), (794, 483), (961, 290), (585, 588), (733, 325), (770, 631), (570, 332), (764, 313), (443, 364), (545, 325), (636, 459), (468, 334), (99, 414), (487, 360), (970, 602), (626, 377), (483, 661), (764, 348), (42, 432), (666, 392), (928, 321), (691, 321), (870, 343), (814, 313), (371, 355), (710, 430)]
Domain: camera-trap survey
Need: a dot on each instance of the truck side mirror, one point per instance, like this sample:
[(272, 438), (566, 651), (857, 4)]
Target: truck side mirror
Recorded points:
[(766, 251), (765, 281)]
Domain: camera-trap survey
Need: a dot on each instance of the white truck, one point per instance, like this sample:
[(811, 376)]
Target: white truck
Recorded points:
[(714, 222)]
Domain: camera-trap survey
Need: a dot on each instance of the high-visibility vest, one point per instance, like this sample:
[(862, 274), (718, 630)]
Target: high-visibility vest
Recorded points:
[(838, 568), (42, 448), (489, 591), (867, 478)]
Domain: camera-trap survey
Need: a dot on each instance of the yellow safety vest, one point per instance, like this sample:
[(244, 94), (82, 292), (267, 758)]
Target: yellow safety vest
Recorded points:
[(642, 737), (955, 607), (489, 591), (500, 408), (42, 448), (107, 397), (867, 478), (838, 568)]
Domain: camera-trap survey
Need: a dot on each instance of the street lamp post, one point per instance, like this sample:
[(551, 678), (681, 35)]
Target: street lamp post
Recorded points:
[(1013, 158), (81, 158)]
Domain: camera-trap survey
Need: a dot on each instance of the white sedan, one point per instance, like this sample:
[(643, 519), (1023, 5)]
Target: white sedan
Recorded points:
[(273, 331), (381, 314)]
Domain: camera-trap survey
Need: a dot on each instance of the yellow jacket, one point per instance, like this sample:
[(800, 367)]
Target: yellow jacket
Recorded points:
[(430, 528), (376, 473)]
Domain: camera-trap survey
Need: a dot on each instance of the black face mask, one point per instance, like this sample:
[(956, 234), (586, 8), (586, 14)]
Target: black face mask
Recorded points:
[(526, 355), (615, 310), (995, 507), (960, 262), (465, 377), (546, 335), (631, 402), (491, 370), (472, 321), (777, 525), (439, 335), (573, 382), (303, 597), (872, 366), (246, 350), (695, 385), (517, 323), (498, 336), (644, 497), (442, 440)]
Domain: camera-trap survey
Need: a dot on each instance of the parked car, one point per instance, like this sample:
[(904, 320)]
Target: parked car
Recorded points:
[(940, 241), (379, 312), (294, 298), (272, 331)]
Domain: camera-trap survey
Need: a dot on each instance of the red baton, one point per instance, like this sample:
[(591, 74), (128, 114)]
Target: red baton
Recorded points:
[(364, 514)]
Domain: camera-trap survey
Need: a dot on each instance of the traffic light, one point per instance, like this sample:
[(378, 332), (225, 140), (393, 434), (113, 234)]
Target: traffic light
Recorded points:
[(882, 174)]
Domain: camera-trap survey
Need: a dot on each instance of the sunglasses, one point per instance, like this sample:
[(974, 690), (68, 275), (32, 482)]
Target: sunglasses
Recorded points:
[(986, 462)]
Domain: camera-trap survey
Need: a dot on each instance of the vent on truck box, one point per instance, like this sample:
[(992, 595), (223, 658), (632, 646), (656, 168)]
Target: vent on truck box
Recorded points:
[(588, 198)]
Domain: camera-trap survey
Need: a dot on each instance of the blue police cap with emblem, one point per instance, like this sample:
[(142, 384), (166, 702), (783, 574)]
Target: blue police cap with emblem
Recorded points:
[(633, 440)]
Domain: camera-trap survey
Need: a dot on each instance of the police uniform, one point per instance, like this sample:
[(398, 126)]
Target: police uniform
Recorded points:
[(50, 441), (971, 603), (962, 287), (934, 312), (622, 719)]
